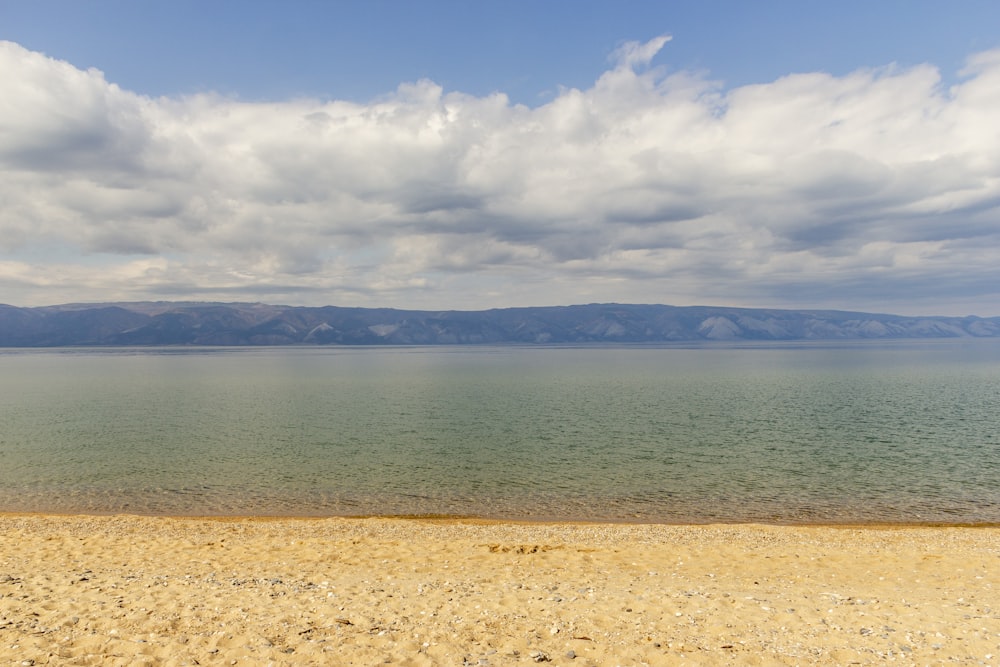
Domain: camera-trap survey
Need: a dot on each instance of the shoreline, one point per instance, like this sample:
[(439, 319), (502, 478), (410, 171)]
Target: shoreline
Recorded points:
[(482, 520), (125, 589)]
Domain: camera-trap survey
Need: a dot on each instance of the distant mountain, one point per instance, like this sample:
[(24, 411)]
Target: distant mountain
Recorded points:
[(169, 323)]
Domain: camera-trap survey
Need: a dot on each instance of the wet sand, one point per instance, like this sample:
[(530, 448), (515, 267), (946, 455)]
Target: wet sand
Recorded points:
[(125, 590)]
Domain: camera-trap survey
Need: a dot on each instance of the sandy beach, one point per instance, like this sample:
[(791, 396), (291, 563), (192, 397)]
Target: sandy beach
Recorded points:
[(128, 590)]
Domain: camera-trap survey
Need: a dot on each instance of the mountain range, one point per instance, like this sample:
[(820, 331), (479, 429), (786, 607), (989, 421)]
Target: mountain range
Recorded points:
[(188, 323)]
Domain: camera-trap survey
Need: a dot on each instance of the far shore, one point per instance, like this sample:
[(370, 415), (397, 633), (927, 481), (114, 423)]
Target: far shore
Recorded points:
[(124, 589)]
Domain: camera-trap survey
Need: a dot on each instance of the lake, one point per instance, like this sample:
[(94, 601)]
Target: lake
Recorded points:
[(895, 432)]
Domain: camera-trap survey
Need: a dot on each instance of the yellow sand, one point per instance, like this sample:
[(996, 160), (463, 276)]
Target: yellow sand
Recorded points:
[(163, 591)]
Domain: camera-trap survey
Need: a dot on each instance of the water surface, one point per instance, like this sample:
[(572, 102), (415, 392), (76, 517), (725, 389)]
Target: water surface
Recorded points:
[(887, 432)]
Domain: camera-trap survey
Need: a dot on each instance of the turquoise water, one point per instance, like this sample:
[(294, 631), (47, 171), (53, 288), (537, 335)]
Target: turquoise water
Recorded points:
[(903, 432)]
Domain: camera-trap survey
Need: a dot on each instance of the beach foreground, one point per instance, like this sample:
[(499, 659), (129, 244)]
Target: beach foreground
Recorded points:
[(168, 591)]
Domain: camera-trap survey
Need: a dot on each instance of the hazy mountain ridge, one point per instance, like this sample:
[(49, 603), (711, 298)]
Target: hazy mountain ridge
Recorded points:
[(187, 323)]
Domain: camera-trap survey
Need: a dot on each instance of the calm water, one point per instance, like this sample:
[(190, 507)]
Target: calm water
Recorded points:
[(903, 432)]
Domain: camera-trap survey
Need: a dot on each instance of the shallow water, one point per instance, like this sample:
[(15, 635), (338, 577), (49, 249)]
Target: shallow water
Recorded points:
[(860, 431)]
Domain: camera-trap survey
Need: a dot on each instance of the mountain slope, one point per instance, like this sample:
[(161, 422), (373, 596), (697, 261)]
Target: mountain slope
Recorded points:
[(164, 323)]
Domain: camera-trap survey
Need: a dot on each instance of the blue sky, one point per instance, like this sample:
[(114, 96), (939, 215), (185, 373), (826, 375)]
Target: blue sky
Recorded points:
[(359, 50), (474, 154)]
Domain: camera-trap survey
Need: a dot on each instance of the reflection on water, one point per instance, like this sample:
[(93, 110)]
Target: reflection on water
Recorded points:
[(802, 433)]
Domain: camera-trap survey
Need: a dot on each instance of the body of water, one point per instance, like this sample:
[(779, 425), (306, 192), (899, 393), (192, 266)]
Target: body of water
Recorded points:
[(810, 433)]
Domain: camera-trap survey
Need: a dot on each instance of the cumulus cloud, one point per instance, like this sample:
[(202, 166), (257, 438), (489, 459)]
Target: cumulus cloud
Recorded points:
[(631, 55), (875, 190)]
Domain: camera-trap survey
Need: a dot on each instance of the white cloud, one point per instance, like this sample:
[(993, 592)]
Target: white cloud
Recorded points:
[(631, 55), (879, 189)]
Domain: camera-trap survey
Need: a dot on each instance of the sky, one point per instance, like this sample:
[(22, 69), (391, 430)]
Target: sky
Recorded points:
[(451, 154)]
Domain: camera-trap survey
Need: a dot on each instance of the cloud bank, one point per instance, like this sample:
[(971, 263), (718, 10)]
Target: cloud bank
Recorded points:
[(878, 190)]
